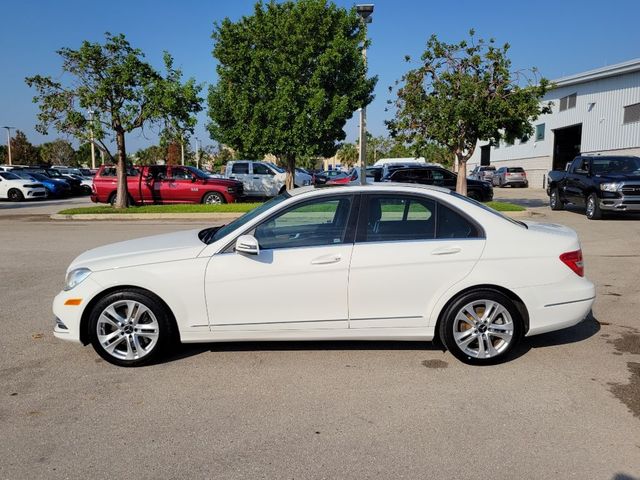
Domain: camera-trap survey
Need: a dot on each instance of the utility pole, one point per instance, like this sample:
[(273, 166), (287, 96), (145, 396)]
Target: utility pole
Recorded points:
[(182, 148), (93, 147), (9, 142), (197, 152), (365, 12)]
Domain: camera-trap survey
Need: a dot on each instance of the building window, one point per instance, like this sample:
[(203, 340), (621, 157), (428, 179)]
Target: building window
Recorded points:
[(539, 132), (631, 113), (568, 102)]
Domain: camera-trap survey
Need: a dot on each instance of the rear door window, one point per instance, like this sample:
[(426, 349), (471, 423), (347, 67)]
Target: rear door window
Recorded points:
[(240, 168)]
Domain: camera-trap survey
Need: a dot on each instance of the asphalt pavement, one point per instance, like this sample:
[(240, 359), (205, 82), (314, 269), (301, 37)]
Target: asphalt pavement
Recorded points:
[(566, 405)]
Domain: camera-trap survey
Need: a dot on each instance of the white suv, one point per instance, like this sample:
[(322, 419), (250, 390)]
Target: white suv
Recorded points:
[(484, 172), (262, 179)]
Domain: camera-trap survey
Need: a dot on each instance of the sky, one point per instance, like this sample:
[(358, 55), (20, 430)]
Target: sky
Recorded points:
[(559, 37)]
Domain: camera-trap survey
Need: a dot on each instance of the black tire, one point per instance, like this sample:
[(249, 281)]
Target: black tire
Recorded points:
[(554, 200), (166, 333), (449, 326), (112, 199), (15, 195), (593, 211), (213, 198), (474, 196)]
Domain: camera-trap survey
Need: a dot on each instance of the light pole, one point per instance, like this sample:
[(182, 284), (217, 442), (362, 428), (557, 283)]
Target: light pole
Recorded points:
[(9, 141), (197, 152), (93, 147), (365, 11), (182, 148)]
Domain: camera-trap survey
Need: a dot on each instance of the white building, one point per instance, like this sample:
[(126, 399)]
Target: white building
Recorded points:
[(595, 112)]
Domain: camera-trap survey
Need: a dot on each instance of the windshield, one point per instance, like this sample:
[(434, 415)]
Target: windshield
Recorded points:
[(198, 172), (9, 176), (275, 167), (54, 173), (247, 217), (489, 209), (620, 165)]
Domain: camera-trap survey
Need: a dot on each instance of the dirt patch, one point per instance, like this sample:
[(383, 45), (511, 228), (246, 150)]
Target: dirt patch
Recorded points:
[(629, 394), (435, 364), (627, 343)]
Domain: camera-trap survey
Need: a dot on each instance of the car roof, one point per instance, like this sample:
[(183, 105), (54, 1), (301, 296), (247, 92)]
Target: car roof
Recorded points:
[(387, 187)]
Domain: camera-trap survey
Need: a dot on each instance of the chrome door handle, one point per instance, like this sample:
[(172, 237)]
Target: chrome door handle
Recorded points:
[(446, 251), (326, 259)]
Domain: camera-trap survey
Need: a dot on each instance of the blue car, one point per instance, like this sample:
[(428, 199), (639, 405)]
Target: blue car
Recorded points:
[(54, 187)]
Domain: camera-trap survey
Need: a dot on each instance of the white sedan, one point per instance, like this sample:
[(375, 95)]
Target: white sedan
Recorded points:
[(17, 189), (394, 261)]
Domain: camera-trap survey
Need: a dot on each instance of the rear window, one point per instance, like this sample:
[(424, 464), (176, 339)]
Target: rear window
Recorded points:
[(240, 168), (484, 169), (515, 170)]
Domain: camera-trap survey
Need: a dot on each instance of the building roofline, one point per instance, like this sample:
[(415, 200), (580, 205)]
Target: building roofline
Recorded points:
[(599, 73)]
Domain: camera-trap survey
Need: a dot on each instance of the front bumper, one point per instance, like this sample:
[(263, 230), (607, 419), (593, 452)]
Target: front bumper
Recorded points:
[(34, 193), (70, 316), (627, 203)]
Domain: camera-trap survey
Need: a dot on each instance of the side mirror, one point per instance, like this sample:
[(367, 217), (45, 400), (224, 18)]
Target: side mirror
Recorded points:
[(194, 179), (247, 244)]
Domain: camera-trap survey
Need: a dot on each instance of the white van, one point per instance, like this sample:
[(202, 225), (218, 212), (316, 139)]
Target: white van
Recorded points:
[(262, 179)]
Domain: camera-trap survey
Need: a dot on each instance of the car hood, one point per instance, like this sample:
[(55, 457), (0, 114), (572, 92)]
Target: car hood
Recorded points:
[(617, 177), (168, 247)]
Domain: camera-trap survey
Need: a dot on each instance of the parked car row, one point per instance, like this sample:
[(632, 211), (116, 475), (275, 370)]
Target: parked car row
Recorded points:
[(56, 181)]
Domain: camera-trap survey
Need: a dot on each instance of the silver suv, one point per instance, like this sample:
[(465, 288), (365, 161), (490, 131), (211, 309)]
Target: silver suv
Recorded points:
[(483, 172)]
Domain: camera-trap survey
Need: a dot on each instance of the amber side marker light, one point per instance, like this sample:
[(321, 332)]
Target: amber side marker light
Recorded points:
[(73, 301)]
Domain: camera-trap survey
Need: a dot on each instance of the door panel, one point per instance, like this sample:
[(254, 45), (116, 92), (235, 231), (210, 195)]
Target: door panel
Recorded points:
[(409, 251), (279, 288)]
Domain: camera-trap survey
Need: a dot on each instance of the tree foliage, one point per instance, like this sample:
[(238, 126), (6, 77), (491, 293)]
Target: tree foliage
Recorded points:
[(125, 92), (23, 152), (464, 92), (289, 77), (58, 152)]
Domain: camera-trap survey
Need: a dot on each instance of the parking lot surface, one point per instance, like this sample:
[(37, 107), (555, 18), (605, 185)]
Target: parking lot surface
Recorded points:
[(566, 405)]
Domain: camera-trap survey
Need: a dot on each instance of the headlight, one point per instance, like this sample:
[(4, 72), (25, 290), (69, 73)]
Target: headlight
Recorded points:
[(74, 277), (306, 182), (610, 187)]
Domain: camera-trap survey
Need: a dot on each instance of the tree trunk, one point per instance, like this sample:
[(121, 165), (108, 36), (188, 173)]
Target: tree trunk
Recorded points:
[(291, 172), (461, 184), (122, 197)]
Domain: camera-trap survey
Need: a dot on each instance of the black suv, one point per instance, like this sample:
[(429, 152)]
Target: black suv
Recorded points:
[(440, 177)]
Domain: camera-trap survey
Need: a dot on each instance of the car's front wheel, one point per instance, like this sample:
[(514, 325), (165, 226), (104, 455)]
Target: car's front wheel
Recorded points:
[(593, 210), (213, 198), (130, 328), (15, 195), (481, 327)]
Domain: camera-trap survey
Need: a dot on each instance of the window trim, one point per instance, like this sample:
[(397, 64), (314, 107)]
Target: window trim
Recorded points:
[(349, 237), (360, 237)]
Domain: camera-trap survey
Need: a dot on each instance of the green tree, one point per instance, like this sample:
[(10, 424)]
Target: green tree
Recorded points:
[(151, 155), (3, 154), (82, 156), (125, 92), (464, 92), (23, 152), (289, 77), (347, 154), (58, 152)]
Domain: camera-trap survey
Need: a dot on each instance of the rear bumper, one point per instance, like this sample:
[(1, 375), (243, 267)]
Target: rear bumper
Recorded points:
[(558, 305)]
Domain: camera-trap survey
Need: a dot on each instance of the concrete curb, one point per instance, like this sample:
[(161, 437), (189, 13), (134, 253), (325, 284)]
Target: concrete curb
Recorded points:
[(148, 216)]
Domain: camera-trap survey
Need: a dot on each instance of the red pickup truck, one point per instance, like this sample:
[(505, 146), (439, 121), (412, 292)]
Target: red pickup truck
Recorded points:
[(165, 184)]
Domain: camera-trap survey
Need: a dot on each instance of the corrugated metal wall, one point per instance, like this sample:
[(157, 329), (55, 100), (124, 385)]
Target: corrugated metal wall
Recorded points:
[(599, 108)]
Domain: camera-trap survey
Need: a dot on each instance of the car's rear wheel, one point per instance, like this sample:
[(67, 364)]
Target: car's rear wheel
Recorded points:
[(554, 200), (473, 195), (15, 195), (593, 210), (130, 328), (213, 198), (481, 327)]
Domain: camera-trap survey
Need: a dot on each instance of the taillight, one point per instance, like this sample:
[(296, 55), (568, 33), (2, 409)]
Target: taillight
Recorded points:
[(573, 260)]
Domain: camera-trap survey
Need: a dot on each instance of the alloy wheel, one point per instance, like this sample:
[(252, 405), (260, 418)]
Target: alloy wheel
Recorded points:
[(483, 329), (127, 330)]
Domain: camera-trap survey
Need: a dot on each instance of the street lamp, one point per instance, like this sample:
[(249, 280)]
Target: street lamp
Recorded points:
[(93, 147), (9, 141), (197, 152), (364, 11)]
